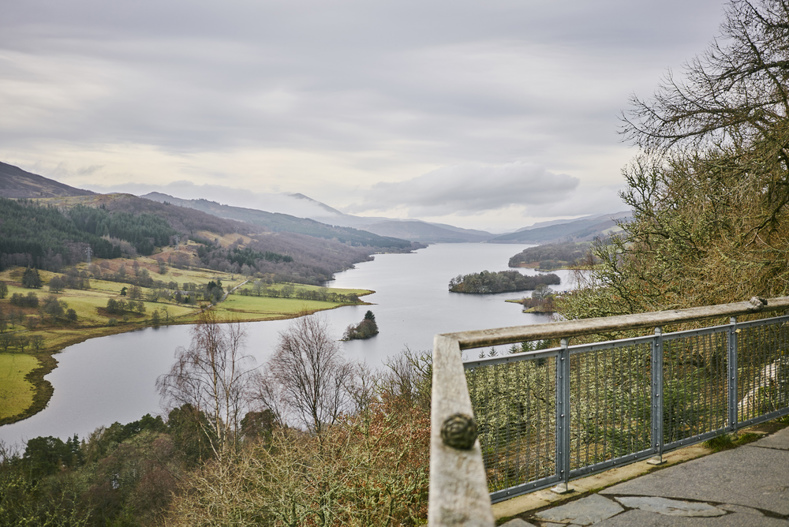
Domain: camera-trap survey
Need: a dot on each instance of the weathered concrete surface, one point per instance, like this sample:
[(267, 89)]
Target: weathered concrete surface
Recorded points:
[(744, 487), (517, 522), (741, 508), (778, 440), (649, 519), (544, 498), (586, 511), (669, 507), (752, 476)]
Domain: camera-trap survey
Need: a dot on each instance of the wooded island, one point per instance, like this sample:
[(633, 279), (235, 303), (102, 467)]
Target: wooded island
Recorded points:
[(488, 282)]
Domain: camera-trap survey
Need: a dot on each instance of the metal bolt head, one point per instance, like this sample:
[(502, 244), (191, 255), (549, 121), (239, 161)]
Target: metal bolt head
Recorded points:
[(459, 431)]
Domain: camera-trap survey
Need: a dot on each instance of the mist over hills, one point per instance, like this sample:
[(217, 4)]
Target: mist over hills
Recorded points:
[(581, 229), (301, 215), (413, 230)]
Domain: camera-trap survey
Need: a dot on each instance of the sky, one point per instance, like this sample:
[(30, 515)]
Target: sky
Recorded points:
[(491, 114)]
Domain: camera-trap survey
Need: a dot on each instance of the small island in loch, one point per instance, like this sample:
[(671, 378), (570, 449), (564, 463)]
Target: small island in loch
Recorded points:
[(488, 282), (365, 329)]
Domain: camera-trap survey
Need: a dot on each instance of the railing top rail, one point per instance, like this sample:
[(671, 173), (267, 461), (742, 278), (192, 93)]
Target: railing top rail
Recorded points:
[(572, 328)]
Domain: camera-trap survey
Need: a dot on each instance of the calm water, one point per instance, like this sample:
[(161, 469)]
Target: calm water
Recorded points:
[(112, 378)]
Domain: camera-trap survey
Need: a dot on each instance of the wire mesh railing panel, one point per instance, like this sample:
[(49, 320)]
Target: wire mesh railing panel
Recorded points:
[(628, 399), (763, 368), (515, 408), (694, 383), (610, 400)]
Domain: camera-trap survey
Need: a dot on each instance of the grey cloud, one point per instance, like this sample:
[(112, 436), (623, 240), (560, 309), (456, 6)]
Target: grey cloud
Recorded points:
[(380, 87), (470, 189), (187, 74), (587, 199)]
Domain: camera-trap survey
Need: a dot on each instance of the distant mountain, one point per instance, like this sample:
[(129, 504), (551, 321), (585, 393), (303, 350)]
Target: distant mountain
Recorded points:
[(316, 203), (278, 222), (308, 216), (582, 229), (413, 230), (18, 183), (49, 238), (297, 214), (424, 232)]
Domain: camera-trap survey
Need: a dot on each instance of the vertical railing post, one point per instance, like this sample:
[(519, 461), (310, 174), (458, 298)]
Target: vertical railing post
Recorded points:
[(657, 397), (731, 374), (563, 418)]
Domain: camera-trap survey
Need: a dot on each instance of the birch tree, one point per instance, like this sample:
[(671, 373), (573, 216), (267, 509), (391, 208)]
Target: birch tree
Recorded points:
[(213, 377)]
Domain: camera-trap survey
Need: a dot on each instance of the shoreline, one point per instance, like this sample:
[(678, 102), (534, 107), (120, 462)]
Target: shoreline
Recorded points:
[(43, 389)]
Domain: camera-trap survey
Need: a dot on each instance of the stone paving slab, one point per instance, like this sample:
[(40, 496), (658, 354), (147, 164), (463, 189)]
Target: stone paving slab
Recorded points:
[(755, 477), (517, 522), (585, 511), (669, 507), (779, 440)]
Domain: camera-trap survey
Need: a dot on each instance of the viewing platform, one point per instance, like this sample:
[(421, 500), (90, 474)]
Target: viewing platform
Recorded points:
[(515, 431), (744, 486)]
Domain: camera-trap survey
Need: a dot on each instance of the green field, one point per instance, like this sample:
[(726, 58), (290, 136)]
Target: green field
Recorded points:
[(248, 308), (16, 393), (21, 397)]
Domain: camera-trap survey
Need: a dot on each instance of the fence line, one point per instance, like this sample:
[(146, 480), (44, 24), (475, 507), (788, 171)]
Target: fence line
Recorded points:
[(546, 417)]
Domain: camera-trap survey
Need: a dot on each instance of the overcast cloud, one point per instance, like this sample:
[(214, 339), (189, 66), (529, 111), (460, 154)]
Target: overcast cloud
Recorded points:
[(488, 114), (471, 189)]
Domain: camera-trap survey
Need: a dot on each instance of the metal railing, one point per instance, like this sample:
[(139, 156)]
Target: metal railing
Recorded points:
[(546, 417)]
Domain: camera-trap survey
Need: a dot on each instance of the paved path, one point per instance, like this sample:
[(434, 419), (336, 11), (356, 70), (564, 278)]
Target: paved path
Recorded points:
[(746, 486)]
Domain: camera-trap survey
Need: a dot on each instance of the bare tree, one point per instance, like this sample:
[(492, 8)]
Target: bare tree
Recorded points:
[(709, 190), (307, 378), (734, 98), (409, 375), (213, 376)]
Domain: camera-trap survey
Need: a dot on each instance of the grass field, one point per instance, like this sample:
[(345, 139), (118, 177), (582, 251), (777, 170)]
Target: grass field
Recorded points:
[(16, 392), (19, 396), (306, 287), (248, 308)]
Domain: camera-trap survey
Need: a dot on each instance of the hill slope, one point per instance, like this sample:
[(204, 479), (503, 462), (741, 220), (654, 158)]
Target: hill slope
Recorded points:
[(424, 232), (56, 231), (18, 183), (414, 230), (583, 229), (278, 222)]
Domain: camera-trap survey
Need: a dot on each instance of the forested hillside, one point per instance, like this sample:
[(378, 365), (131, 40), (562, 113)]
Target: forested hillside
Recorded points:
[(70, 225), (277, 222), (44, 237), (50, 237), (554, 256)]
